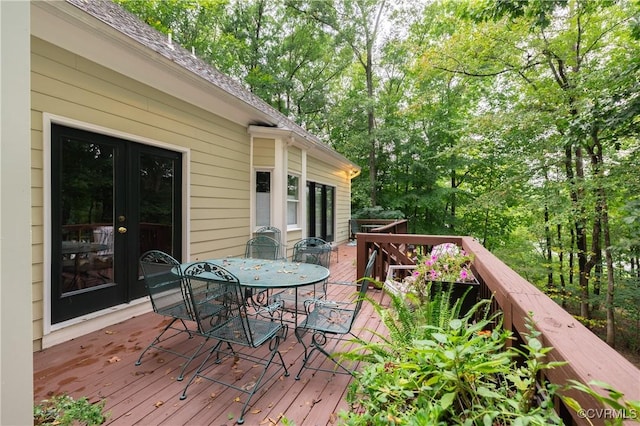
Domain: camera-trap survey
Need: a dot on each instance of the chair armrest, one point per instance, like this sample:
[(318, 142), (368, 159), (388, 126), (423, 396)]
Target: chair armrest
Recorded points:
[(271, 311), (311, 304)]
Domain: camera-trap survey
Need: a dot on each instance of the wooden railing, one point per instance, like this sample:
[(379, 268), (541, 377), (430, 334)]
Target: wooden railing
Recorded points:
[(587, 357), (383, 226)]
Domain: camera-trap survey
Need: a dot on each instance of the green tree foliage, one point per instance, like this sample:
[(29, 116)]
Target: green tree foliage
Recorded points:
[(512, 121)]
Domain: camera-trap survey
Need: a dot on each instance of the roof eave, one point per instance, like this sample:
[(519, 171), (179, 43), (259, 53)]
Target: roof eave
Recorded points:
[(72, 29), (315, 148)]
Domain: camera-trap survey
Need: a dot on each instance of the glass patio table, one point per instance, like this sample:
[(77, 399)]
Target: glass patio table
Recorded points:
[(272, 275)]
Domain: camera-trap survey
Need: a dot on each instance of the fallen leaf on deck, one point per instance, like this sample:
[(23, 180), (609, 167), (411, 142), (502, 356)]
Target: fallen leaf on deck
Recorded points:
[(213, 395), (236, 399), (332, 418), (256, 411), (113, 359), (159, 403), (109, 332)]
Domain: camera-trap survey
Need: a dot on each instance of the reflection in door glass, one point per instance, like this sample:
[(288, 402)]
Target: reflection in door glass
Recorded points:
[(87, 216), (156, 203)]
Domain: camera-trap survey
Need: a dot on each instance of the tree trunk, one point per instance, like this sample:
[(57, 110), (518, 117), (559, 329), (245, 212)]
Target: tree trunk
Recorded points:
[(548, 251), (563, 292), (602, 222), (373, 172)]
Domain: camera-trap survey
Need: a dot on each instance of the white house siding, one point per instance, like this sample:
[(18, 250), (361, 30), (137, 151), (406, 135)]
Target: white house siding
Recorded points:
[(66, 85)]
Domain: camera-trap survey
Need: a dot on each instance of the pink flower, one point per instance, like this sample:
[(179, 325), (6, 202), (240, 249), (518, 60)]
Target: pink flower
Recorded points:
[(463, 274)]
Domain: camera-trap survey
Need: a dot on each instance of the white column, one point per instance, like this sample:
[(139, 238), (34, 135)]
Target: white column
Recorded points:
[(16, 347), (279, 194), (304, 201)]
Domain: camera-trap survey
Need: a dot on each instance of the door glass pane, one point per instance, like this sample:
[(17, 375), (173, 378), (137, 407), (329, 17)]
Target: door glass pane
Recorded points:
[(263, 198), (157, 195), (330, 212), (87, 194), (319, 211)]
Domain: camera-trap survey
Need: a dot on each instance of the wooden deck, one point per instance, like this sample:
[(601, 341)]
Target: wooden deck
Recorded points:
[(100, 365)]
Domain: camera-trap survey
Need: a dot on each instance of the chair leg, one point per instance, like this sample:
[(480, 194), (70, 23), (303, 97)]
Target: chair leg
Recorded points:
[(258, 382), (191, 358), (200, 368), (318, 341), (274, 348), (159, 338)]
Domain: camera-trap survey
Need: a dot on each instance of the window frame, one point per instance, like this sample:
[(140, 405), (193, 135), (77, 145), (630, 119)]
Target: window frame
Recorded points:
[(258, 206), (295, 201)]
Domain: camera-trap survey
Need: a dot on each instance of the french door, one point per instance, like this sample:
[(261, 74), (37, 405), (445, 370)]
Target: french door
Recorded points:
[(320, 211), (112, 199)]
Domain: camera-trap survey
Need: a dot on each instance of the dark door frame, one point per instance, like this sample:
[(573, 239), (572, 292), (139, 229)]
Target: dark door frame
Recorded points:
[(126, 246)]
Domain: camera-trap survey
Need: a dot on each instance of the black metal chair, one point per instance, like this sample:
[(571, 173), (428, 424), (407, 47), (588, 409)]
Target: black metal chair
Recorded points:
[(308, 250), (169, 298), (276, 234), (331, 321), (312, 250), (262, 247), (234, 325)]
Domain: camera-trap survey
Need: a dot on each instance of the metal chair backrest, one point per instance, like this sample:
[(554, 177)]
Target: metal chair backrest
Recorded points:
[(271, 231), (312, 250), (262, 247), (165, 286), (210, 284), (364, 283), (276, 234), (213, 292)]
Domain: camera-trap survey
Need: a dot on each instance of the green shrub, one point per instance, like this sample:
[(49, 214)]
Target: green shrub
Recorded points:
[(434, 368), (63, 410), (377, 213)]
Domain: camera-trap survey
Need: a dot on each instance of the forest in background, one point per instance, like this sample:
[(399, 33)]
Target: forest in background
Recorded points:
[(515, 122)]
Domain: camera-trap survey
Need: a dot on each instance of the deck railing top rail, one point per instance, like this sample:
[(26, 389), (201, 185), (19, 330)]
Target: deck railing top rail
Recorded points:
[(587, 356)]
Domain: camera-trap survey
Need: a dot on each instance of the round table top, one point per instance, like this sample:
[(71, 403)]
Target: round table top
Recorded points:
[(265, 273)]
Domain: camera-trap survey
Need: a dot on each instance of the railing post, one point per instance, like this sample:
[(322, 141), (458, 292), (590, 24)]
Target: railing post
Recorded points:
[(361, 257)]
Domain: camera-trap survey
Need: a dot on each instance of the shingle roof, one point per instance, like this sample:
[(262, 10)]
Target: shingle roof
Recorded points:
[(126, 23)]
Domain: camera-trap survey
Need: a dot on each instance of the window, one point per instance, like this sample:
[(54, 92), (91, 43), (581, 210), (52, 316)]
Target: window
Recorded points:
[(293, 200), (263, 198)]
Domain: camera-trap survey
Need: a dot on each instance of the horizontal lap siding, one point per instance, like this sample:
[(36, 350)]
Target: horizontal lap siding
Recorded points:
[(263, 153), (294, 160), (67, 85)]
